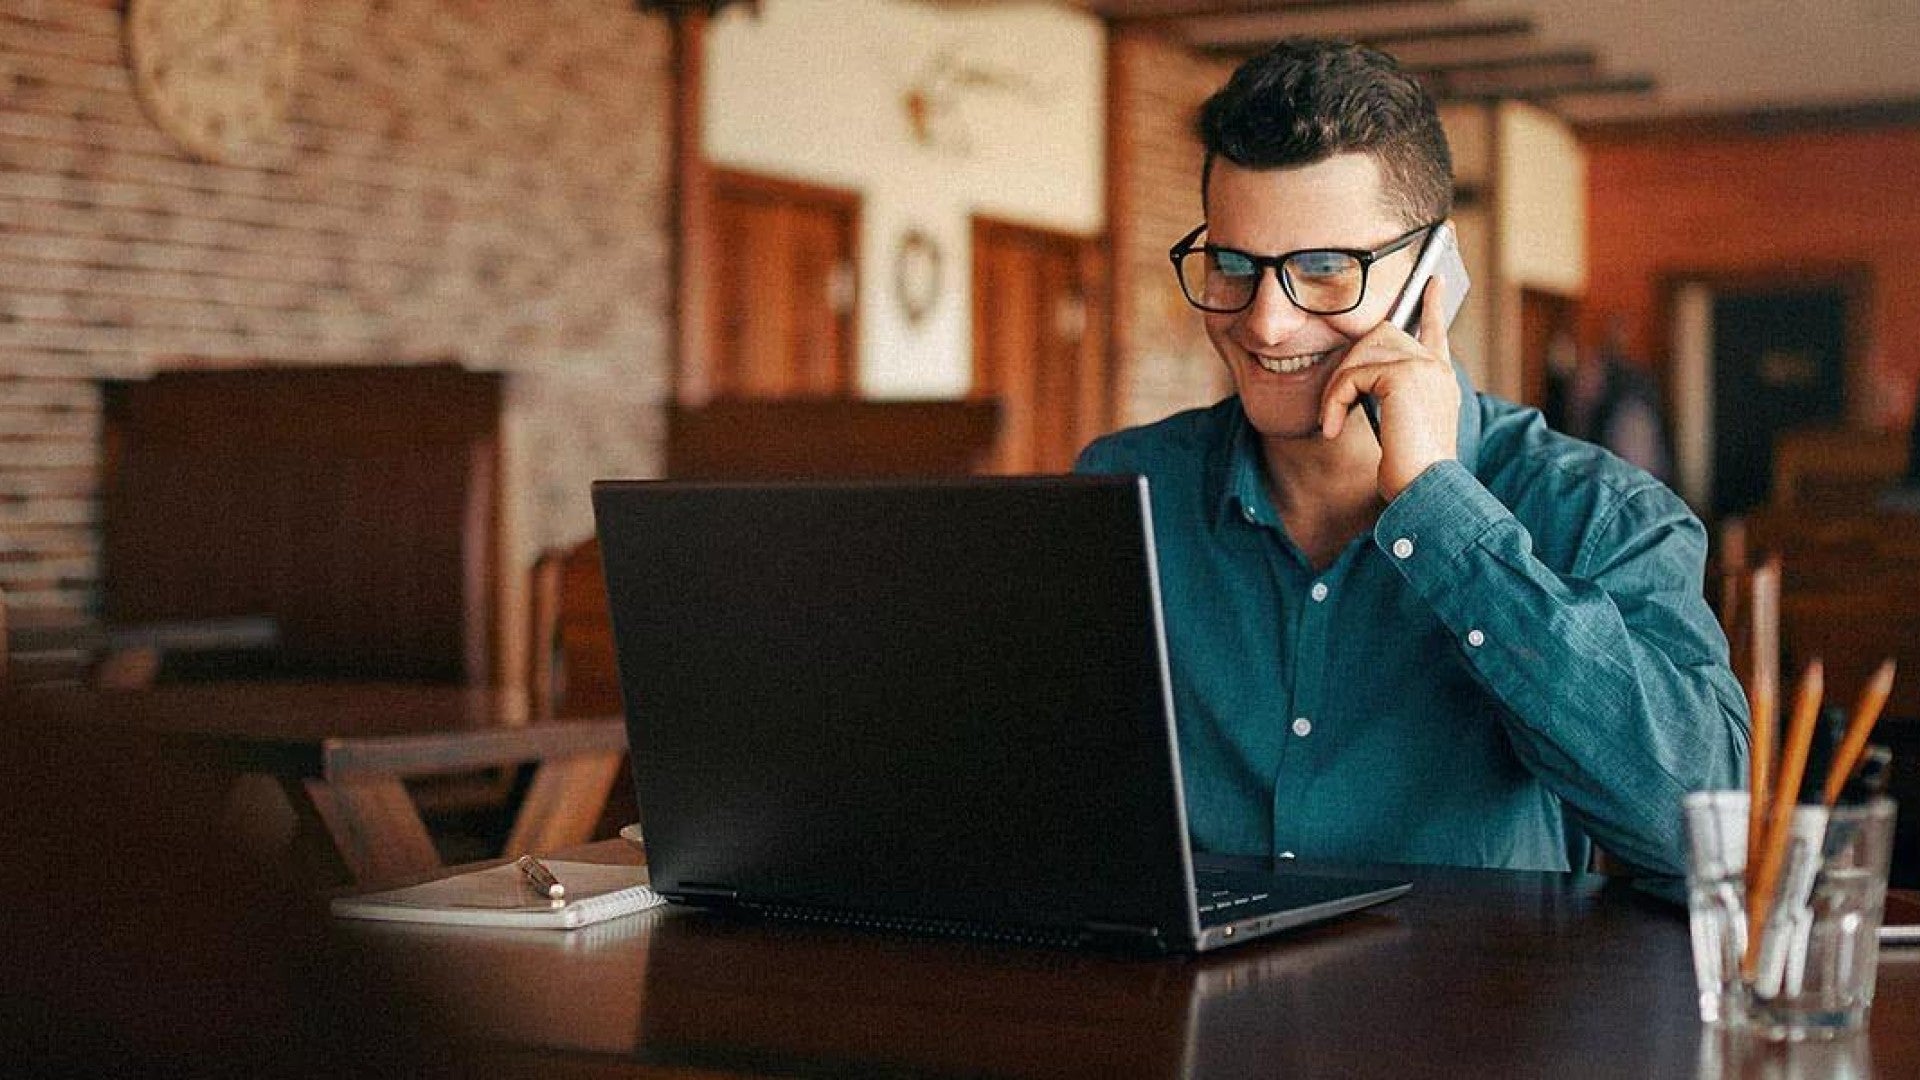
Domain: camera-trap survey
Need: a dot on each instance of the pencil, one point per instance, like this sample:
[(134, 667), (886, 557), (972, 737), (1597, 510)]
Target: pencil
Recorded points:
[(1765, 879), (1762, 663), (1760, 777), (1865, 715)]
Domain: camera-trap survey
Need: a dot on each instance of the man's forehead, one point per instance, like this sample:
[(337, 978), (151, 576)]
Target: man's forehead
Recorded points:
[(1335, 202)]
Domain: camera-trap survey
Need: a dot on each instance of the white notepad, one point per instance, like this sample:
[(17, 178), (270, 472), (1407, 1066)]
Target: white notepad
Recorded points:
[(502, 896)]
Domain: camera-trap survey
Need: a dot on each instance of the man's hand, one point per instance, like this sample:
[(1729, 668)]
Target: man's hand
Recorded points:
[(1412, 381)]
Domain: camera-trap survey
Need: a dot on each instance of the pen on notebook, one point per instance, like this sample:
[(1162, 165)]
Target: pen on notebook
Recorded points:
[(542, 878)]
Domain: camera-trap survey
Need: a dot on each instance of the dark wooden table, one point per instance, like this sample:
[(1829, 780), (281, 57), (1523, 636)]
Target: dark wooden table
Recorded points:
[(341, 752), (1475, 973)]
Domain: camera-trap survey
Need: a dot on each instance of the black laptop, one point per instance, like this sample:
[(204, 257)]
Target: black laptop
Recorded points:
[(935, 706)]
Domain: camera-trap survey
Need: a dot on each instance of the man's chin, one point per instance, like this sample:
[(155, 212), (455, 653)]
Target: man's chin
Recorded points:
[(1282, 427)]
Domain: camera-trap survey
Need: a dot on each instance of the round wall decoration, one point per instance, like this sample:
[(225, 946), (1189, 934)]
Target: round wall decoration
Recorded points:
[(916, 275), (215, 75)]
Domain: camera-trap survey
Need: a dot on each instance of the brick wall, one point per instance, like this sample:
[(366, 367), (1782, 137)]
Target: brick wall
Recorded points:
[(1163, 360), (485, 182), (1725, 202)]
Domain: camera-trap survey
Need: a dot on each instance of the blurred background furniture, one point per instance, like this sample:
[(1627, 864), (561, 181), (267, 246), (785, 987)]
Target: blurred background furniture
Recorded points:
[(1821, 469), (799, 438), (355, 508), (341, 753), (1850, 596)]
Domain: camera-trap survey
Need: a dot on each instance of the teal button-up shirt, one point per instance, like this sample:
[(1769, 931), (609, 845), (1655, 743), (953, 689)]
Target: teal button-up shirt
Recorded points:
[(1517, 658)]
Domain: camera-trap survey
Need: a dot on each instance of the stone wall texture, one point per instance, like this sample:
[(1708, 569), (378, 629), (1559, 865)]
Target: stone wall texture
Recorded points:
[(482, 182)]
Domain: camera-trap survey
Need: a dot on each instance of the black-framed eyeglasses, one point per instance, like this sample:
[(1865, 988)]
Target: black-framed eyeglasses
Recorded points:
[(1322, 281)]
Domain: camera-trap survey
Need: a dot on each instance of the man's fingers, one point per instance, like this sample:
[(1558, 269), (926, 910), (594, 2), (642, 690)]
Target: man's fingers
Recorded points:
[(1343, 393)]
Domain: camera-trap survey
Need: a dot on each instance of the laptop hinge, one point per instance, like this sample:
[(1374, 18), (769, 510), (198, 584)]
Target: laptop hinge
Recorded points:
[(693, 892), (1122, 936)]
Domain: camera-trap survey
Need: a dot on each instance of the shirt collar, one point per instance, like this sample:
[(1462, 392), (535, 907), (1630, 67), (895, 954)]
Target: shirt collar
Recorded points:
[(1238, 476)]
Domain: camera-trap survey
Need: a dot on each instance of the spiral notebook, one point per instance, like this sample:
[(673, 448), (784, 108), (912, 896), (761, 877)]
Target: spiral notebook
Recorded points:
[(501, 896)]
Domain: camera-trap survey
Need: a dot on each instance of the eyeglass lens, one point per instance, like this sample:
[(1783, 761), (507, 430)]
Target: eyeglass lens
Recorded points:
[(1325, 282)]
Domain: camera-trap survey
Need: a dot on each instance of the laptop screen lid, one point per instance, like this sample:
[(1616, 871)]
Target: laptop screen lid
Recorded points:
[(933, 701)]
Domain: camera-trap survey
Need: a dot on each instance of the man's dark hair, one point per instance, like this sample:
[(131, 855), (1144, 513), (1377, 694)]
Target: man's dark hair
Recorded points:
[(1307, 99)]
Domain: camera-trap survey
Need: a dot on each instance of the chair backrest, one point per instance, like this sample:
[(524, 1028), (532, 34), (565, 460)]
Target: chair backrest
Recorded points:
[(1850, 595), (3, 637), (1835, 468), (818, 438), (572, 671)]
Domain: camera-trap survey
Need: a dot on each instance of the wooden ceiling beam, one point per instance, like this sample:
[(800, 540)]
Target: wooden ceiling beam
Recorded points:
[(1464, 30), (1519, 65), (1543, 93), (1169, 14), (1407, 41)]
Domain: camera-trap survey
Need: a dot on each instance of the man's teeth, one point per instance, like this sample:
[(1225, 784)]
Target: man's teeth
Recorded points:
[(1287, 365)]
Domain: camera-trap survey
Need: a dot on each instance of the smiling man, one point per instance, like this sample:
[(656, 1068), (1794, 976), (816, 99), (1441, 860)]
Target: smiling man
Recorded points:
[(1468, 640)]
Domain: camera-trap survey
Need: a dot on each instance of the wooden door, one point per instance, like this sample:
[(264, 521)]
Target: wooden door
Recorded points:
[(1038, 343), (781, 288)]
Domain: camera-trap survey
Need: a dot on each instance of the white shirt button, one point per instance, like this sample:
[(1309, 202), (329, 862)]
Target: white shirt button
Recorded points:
[(1476, 639), (1319, 591), (1403, 548), (1247, 512), (1302, 726), (1286, 854)]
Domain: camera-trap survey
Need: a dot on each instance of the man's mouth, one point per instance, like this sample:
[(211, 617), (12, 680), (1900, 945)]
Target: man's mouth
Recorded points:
[(1290, 365)]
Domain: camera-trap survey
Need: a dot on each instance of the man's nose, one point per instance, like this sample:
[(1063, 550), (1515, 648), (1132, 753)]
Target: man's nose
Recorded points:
[(1272, 316)]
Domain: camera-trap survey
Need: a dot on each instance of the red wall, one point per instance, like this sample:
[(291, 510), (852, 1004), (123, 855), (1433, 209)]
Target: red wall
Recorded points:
[(1663, 203)]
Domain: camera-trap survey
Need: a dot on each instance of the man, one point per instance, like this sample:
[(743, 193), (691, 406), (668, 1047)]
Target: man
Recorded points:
[(1470, 640)]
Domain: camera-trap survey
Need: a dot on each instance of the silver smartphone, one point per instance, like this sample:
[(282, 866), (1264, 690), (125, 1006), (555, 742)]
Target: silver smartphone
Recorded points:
[(1440, 254)]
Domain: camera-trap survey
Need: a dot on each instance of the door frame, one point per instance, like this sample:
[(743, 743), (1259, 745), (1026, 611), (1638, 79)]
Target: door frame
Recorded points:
[(1685, 324)]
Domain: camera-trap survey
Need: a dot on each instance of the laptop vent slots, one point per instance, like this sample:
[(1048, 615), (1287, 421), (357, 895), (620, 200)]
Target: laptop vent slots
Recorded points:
[(907, 924)]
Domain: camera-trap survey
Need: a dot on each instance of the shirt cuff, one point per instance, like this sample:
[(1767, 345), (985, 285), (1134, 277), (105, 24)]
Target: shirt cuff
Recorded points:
[(1437, 518)]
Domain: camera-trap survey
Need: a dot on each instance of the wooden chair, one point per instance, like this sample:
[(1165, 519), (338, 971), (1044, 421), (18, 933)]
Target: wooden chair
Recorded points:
[(571, 667), (1851, 595), (830, 438), (3, 637), (1844, 469), (572, 670)]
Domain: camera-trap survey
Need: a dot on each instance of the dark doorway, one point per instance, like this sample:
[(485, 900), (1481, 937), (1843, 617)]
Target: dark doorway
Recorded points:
[(1779, 363)]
